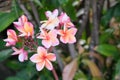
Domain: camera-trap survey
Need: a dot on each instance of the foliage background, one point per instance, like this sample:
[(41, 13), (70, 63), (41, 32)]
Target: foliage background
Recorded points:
[(95, 55)]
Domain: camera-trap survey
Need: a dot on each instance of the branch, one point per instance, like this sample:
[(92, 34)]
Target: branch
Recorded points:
[(35, 13), (60, 63), (72, 50), (27, 13), (84, 21), (95, 32)]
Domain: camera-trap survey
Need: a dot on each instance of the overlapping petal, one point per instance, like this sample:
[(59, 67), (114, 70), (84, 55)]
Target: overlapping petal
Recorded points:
[(22, 54), (49, 38), (12, 38), (42, 59), (68, 35)]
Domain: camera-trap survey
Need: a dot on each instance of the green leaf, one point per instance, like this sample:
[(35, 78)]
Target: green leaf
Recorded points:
[(117, 12), (105, 36), (108, 50), (27, 73), (117, 71), (6, 19), (4, 54), (107, 17), (2, 45), (13, 78), (80, 75), (70, 10)]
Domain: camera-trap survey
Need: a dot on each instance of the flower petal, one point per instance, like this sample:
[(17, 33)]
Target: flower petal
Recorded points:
[(72, 39), (51, 57), (55, 41), (21, 57), (48, 64), (35, 58), (72, 31), (28, 28), (41, 51), (48, 14), (64, 39), (55, 12), (46, 43), (40, 66)]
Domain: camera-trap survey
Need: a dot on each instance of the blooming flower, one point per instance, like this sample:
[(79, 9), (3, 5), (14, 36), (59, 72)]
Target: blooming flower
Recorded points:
[(65, 20), (52, 21), (43, 59), (12, 37), (21, 22), (67, 35), (23, 55), (28, 30), (49, 38), (25, 27)]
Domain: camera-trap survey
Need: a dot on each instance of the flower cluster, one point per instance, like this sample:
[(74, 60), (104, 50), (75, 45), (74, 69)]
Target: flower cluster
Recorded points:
[(56, 26)]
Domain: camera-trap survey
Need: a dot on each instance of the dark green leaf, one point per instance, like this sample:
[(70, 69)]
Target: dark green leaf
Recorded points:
[(80, 75), (2, 44), (117, 71), (70, 10), (13, 78), (4, 54), (108, 50)]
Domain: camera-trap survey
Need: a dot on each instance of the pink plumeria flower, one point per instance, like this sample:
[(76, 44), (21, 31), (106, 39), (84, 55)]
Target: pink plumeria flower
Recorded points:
[(21, 21), (67, 35), (23, 55), (52, 21), (42, 58), (28, 29), (12, 38), (65, 20), (25, 27), (49, 38)]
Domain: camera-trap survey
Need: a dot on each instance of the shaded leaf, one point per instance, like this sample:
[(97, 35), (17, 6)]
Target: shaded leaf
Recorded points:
[(69, 70), (93, 69), (108, 50), (117, 71), (27, 73), (80, 76), (2, 45), (4, 54), (13, 78)]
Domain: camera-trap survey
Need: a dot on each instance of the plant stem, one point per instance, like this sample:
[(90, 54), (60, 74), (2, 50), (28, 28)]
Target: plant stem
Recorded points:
[(55, 74)]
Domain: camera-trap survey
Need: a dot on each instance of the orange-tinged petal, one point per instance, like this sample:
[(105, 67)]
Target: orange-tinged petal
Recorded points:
[(36, 58), (72, 31), (28, 28), (61, 32), (64, 39), (41, 51), (55, 41), (40, 66), (51, 57), (72, 39), (48, 64)]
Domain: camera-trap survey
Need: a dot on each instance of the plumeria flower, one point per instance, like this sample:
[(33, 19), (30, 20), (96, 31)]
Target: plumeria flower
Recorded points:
[(52, 21), (12, 38), (42, 58), (67, 35), (25, 27), (65, 20), (23, 55), (49, 38), (21, 22)]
